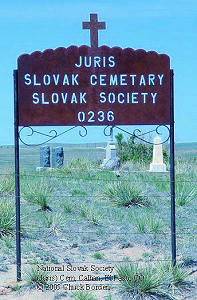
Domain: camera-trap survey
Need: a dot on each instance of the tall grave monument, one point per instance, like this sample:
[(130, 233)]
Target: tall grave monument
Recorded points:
[(157, 164)]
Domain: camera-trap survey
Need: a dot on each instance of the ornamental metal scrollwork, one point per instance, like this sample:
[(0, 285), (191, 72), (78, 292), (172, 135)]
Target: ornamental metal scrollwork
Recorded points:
[(137, 133), (110, 128), (83, 134), (49, 137), (108, 131)]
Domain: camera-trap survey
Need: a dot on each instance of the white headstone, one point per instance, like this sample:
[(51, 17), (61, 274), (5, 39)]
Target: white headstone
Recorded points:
[(157, 164), (110, 149)]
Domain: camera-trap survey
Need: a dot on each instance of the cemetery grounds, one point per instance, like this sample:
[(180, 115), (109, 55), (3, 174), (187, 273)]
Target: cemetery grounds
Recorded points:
[(116, 221)]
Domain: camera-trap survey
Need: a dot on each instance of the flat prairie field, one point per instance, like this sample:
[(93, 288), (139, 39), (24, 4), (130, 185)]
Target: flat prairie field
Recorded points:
[(90, 233), (30, 156)]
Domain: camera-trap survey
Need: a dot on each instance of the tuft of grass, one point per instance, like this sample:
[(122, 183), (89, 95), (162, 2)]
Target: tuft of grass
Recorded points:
[(53, 221), (84, 211), (155, 281), (78, 192), (7, 182), (68, 206), (98, 255), (81, 295), (94, 218), (143, 281), (37, 276), (7, 217), (148, 224), (185, 193), (178, 276), (38, 193), (124, 194), (140, 224), (16, 288), (8, 240), (155, 225)]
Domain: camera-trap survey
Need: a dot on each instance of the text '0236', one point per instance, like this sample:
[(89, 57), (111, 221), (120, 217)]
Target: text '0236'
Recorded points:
[(129, 87)]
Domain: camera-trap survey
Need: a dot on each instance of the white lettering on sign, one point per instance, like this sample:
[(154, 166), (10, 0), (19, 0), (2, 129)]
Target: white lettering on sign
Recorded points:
[(113, 80), (133, 78), (144, 97), (133, 98), (91, 116), (126, 79), (55, 98), (154, 96), (160, 78), (51, 79), (142, 80), (151, 78), (95, 61), (140, 88), (95, 80)]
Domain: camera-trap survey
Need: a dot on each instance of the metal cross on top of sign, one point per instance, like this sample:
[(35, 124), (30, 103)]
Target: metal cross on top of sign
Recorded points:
[(94, 26)]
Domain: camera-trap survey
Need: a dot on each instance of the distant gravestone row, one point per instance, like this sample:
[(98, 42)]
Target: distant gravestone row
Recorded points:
[(111, 160), (45, 158)]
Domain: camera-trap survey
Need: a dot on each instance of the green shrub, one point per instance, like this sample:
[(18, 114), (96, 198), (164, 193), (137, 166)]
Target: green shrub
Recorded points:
[(124, 194), (136, 152), (7, 216)]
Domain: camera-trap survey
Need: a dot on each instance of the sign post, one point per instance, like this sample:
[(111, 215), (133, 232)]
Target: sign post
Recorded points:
[(79, 86), (17, 178), (172, 171)]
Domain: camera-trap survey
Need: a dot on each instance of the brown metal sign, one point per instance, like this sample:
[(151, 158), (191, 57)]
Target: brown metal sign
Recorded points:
[(93, 86)]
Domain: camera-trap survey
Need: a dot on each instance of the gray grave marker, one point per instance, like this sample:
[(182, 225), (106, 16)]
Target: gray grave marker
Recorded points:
[(44, 158), (57, 157)]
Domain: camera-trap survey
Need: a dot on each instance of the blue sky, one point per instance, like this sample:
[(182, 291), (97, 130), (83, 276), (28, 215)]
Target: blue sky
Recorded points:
[(164, 26)]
